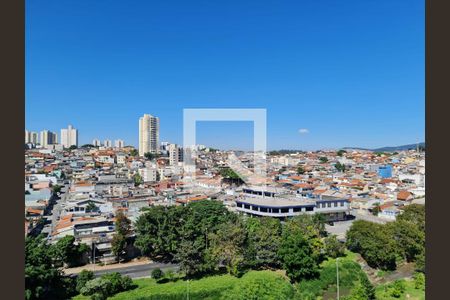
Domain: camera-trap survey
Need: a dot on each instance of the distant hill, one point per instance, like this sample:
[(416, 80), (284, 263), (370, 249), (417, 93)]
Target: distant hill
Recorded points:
[(390, 148)]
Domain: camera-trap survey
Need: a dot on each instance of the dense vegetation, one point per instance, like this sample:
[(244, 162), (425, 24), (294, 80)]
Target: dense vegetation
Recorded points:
[(384, 246), (43, 279)]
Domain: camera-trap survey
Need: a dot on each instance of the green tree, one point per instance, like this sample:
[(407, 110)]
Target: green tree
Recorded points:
[(67, 252), (300, 170), (150, 156), (158, 231), (374, 242), (323, 159), (341, 152), (91, 207), (137, 178), (333, 248), (376, 209), (301, 248), (123, 230), (414, 213), (134, 152), (56, 189), (409, 237), (226, 246), (42, 279), (340, 167), (263, 242), (420, 262), (83, 277)]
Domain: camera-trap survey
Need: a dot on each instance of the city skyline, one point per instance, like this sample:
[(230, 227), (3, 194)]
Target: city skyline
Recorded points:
[(360, 84)]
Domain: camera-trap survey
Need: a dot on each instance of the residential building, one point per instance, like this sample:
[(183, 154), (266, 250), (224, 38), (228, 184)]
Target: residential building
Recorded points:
[(118, 143), (173, 154), (148, 134), (69, 137), (96, 142), (107, 143), (48, 138)]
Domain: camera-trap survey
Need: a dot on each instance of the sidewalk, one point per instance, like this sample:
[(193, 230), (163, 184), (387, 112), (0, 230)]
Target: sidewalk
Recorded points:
[(95, 267)]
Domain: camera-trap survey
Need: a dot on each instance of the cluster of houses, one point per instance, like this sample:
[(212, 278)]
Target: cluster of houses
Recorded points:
[(78, 192)]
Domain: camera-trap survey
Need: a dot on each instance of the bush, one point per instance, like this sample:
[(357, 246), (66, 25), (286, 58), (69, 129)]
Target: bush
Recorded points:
[(118, 282), (397, 288), (82, 278), (261, 285), (98, 289), (419, 281), (349, 273), (157, 273)]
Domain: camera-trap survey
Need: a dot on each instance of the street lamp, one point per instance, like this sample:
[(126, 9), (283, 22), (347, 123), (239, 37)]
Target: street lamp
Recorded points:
[(337, 276)]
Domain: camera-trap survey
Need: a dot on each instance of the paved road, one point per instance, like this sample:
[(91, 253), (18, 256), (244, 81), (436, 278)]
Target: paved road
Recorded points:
[(139, 270)]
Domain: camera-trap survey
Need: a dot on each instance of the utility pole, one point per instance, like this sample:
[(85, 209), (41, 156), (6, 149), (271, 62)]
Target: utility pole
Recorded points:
[(337, 276)]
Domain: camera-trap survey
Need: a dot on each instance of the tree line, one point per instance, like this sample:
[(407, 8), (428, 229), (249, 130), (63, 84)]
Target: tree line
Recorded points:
[(204, 237), (384, 246)]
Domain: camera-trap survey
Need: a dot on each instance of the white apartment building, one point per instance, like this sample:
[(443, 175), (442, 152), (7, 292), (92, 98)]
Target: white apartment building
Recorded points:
[(148, 134), (96, 142), (31, 137), (107, 143), (69, 137), (149, 174), (118, 143), (48, 138), (173, 154)]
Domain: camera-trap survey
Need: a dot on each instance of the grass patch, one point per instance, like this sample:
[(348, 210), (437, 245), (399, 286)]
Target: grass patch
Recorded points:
[(325, 286), (383, 292)]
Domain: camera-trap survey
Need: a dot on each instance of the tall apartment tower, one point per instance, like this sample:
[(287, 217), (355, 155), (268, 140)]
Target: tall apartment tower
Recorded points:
[(107, 143), (69, 137), (118, 143), (173, 154), (148, 134), (48, 138), (34, 137), (27, 137), (96, 142)]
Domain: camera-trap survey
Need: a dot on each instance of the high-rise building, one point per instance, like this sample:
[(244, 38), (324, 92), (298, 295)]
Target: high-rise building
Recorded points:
[(27, 137), (148, 134), (34, 136), (118, 143), (107, 143), (69, 137), (96, 142), (173, 154), (48, 138), (180, 154)]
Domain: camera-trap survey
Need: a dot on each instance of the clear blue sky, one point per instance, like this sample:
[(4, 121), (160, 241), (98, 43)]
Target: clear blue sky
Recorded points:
[(350, 72)]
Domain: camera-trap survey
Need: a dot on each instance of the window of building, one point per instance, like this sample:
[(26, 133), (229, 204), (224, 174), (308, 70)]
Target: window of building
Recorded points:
[(275, 210), (239, 204), (297, 209), (342, 203), (285, 210), (329, 204), (254, 207), (246, 206), (263, 209), (309, 208)]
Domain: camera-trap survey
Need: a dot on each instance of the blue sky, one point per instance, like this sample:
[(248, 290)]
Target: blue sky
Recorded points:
[(350, 72)]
